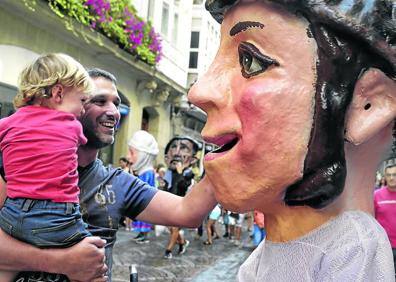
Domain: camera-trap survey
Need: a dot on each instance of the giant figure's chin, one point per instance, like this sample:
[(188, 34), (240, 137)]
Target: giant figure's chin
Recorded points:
[(240, 192)]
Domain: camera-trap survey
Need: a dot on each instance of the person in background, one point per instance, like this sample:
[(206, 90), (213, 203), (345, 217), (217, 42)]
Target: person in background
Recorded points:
[(125, 221), (180, 155), (250, 221), (226, 222), (143, 150), (258, 228), (211, 225), (124, 164), (381, 183), (385, 206), (160, 181), (238, 229)]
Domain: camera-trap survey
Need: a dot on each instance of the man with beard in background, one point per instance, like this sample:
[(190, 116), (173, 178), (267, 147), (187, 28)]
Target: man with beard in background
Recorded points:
[(179, 157)]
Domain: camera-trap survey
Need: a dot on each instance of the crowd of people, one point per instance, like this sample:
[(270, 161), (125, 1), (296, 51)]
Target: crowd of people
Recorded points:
[(177, 177)]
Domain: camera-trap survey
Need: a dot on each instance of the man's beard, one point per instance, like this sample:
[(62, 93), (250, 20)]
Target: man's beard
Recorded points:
[(96, 140), (174, 161)]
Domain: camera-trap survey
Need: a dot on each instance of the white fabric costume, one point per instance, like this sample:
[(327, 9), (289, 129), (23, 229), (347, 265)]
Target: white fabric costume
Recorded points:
[(351, 247), (147, 147)]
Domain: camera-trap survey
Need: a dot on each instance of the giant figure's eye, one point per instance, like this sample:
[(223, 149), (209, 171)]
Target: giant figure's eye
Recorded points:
[(252, 61)]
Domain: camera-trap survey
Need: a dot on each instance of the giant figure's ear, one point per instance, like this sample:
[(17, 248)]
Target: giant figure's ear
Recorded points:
[(372, 108)]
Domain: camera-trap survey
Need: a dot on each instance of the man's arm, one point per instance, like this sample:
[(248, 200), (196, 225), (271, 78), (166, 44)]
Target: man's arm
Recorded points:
[(189, 211), (83, 261)]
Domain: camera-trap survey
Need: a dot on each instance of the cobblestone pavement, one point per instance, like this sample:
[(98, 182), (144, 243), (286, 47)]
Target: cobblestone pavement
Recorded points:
[(200, 263)]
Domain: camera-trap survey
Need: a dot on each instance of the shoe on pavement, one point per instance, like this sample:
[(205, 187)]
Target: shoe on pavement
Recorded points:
[(182, 248), (168, 255), (140, 236), (142, 241)]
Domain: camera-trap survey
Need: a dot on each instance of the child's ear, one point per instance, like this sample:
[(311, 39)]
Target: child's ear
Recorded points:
[(372, 108), (57, 92)]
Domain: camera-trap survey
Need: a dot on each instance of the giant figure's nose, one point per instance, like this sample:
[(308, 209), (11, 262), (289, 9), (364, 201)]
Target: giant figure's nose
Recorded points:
[(211, 91)]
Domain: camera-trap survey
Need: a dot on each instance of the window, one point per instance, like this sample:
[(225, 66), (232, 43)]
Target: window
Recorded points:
[(193, 60), (198, 2), (194, 45), (145, 120), (194, 39), (150, 10), (165, 19), (175, 29)]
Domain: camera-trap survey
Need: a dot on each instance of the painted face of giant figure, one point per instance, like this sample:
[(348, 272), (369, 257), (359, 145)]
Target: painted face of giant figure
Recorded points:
[(276, 96), (182, 150), (257, 117)]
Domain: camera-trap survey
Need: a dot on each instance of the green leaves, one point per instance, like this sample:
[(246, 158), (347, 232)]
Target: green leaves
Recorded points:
[(115, 19)]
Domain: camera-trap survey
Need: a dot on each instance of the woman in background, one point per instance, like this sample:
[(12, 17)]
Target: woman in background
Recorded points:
[(143, 150)]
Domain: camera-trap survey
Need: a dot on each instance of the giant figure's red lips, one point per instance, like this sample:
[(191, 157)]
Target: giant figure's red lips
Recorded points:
[(225, 142)]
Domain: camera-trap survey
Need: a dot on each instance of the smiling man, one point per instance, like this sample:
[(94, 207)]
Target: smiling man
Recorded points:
[(301, 101)]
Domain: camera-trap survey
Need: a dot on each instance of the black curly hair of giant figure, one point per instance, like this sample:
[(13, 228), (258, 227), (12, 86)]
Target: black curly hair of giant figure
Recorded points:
[(340, 63)]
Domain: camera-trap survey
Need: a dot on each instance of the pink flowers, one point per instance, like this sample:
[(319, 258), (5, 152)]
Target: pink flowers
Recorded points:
[(119, 22), (101, 8)]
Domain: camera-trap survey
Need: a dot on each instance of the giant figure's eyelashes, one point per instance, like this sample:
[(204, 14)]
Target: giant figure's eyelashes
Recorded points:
[(252, 61)]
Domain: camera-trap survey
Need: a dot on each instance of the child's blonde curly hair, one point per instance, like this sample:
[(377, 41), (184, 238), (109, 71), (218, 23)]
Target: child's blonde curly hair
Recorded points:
[(37, 79)]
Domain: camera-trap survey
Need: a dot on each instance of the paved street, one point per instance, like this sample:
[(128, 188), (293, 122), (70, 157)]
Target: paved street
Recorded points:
[(200, 263)]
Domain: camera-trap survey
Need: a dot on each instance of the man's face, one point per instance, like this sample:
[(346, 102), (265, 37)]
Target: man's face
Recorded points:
[(390, 177), (101, 114), (259, 96), (180, 151)]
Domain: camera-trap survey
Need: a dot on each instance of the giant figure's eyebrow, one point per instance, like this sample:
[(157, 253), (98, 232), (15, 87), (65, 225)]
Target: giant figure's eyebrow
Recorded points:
[(243, 26)]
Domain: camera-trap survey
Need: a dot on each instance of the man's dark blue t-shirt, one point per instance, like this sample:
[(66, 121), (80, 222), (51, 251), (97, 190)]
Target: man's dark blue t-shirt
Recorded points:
[(106, 195)]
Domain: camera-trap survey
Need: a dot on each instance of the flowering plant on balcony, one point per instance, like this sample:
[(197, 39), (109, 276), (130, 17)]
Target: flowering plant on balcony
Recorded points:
[(117, 20)]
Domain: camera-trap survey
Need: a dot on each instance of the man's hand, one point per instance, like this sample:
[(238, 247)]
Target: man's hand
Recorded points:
[(179, 167), (84, 261)]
